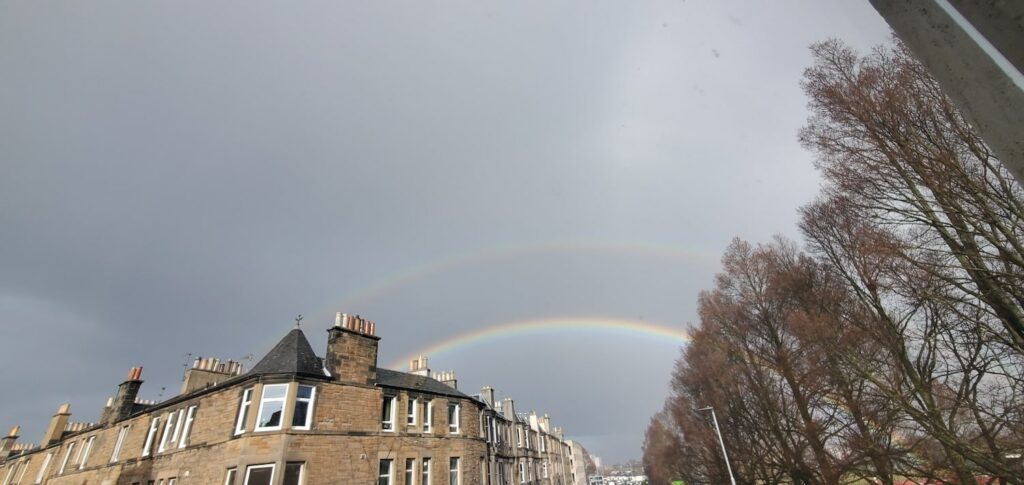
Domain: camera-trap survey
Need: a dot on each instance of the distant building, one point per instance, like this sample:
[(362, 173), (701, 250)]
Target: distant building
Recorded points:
[(296, 418), (577, 463)]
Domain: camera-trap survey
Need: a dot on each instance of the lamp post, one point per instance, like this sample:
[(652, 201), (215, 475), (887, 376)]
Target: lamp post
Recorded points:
[(725, 455)]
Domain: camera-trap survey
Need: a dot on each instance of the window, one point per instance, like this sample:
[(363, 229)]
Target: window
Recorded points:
[(243, 411), (544, 469), (410, 418), (522, 472), (173, 480), (42, 469), (384, 477), (425, 471), (410, 470), (293, 473), (121, 434), (186, 429), (428, 416), (67, 456), (453, 418), (259, 474), (271, 408), (303, 415), (453, 470), (85, 452), (230, 479), (177, 425), (166, 436), (10, 473), (519, 437), (387, 414), (543, 445), (153, 426), (22, 470)]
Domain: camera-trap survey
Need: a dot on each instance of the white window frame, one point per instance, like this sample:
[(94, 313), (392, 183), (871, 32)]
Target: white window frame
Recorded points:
[(10, 472), (67, 456), (186, 429), (21, 472), (243, 411), (425, 470), (543, 442), (154, 425), (454, 427), (309, 406), (177, 425), (410, 417), (544, 469), (391, 471), (410, 471), (42, 469), (168, 428), (388, 425), (428, 417), (122, 434), (229, 477), (263, 399), (250, 468), (456, 470), (85, 452), (522, 472), (519, 437)]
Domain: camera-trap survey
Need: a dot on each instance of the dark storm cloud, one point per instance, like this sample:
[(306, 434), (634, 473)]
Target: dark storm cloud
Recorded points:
[(183, 178)]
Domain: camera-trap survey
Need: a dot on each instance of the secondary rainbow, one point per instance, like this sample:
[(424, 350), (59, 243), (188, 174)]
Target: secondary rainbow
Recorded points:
[(479, 336), (421, 271)]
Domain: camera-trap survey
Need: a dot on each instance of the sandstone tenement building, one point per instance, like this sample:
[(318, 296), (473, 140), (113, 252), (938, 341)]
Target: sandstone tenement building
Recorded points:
[(296, 418)]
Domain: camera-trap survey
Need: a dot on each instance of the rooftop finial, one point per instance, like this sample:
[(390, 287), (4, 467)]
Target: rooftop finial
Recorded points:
[(298, 321)]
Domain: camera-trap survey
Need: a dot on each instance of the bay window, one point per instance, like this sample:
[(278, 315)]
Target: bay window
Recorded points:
[(453, 418), (271, 408), (243, 411), (303, 415)]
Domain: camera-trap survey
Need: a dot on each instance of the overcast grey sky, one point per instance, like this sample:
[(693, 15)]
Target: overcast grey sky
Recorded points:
[(186, 177)]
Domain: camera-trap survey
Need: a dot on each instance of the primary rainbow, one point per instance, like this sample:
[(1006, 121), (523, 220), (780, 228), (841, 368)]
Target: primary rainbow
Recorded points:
[(478, 336)]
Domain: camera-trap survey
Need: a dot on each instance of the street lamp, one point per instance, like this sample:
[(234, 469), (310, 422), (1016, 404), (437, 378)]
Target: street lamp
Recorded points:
[(732, 479)]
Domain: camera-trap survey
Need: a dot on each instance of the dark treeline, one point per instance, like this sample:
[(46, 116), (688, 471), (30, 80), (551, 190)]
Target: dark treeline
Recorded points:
[(889, 344)]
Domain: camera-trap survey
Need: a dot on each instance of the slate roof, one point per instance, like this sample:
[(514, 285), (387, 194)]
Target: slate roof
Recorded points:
[(413, 382), (292, 355)]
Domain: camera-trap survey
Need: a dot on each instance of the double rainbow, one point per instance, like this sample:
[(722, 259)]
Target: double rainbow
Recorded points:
[(604, 325)]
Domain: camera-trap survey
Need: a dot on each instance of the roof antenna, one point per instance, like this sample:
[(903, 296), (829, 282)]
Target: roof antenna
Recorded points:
[(188, 359), (298, 321)]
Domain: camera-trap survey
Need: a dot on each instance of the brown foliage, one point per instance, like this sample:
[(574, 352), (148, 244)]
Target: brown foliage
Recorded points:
[(895, 348)]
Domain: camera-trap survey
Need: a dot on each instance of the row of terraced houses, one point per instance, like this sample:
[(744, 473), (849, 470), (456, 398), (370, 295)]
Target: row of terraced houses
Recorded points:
[(296, 418)]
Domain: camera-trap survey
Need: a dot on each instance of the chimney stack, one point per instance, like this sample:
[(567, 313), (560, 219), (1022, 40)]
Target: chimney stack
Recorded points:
[(208, 371), (352, 350), (418, 366), (508, 409), (58, 422), (124, 402), (448, 379), (7, 442), (487, 394)]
